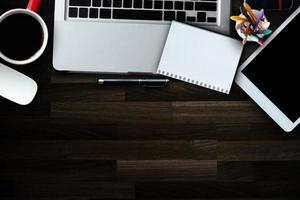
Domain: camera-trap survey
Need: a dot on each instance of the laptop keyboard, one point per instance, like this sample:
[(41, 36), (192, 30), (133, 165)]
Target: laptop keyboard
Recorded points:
[(198, 11)]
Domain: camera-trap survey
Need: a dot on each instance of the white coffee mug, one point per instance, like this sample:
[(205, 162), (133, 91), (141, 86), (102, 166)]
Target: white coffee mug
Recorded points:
[(31, 10)]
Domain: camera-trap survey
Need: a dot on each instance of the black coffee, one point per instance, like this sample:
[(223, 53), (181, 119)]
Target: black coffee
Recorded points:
[(21, 36)]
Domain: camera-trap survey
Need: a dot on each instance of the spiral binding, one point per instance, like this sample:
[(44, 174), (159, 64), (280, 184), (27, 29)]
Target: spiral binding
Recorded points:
[(175, 76)]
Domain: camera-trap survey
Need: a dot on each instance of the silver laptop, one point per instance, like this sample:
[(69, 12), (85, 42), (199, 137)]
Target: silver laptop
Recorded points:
[(122, 36)]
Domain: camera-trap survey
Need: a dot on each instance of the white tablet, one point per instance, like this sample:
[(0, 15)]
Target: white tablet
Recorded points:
[(270, 76)]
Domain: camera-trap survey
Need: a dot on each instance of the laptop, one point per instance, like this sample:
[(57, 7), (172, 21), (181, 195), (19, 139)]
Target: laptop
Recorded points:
[(124, 36)]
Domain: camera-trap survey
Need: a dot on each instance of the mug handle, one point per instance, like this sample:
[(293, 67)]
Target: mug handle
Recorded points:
[(33, 5)]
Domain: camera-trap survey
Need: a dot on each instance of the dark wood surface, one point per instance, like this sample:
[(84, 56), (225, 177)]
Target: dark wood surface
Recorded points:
[(79, 141)]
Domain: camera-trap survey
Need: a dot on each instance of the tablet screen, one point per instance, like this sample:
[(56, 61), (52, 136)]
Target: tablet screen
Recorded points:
[(275, 70)]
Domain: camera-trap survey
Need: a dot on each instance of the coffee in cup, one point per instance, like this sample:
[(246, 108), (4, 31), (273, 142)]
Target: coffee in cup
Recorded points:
[(23, 35)]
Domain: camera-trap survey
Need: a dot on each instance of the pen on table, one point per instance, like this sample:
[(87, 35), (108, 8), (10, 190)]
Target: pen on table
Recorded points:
[(138, 82)]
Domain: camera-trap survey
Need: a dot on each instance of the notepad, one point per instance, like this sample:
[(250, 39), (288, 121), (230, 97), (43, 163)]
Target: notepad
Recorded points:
[(200, 57)]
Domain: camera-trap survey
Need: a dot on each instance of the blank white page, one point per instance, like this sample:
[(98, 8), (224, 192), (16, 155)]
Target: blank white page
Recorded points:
[(200, 57)]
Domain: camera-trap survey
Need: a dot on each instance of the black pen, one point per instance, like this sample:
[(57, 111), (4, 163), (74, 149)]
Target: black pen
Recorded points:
[(139, 82)]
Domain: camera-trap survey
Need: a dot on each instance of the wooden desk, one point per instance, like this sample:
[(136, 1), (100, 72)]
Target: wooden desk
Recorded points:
[(80, 141)]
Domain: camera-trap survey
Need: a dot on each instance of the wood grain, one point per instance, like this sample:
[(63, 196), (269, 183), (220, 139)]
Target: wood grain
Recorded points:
[(80, 141)]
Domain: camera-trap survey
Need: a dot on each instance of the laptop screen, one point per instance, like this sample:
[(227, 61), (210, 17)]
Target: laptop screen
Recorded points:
[(275, 71)]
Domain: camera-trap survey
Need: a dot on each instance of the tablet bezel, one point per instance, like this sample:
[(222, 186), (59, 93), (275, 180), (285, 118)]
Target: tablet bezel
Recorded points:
[(259, 97)]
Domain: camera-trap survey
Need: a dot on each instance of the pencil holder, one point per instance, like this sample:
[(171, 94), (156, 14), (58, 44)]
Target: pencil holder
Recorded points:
[(251, 25), (255, 34)]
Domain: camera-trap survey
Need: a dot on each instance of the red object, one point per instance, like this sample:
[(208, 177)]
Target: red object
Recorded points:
[(33, 5), (280, 4), (260, 42)]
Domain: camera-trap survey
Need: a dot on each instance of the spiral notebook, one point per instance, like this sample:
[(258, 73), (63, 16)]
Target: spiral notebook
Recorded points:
[(200, 57)]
